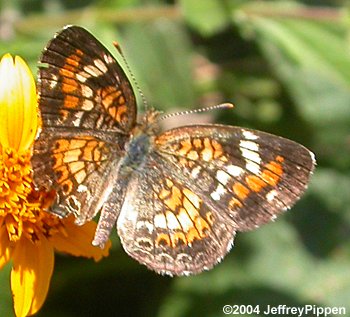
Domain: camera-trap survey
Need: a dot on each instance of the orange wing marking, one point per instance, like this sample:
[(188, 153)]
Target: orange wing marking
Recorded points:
[(69, 82), (184, 222), (269, 176)]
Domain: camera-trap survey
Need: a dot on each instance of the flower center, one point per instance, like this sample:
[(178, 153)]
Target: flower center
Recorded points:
[(21, 206)]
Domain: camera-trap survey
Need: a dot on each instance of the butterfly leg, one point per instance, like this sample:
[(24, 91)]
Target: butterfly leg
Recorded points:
[(109, 214)]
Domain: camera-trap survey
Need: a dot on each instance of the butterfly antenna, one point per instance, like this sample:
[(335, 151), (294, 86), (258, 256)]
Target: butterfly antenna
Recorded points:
[(205, 109), (118, 48)]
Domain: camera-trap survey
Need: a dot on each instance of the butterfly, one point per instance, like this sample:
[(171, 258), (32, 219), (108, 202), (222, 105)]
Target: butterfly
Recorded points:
[(177, 197)]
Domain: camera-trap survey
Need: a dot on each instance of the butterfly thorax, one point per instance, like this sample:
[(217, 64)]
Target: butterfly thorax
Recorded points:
[(140, 143), (136, 151)]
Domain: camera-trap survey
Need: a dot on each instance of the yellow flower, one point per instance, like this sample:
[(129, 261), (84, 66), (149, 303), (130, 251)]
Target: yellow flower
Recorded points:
[(29, 235)]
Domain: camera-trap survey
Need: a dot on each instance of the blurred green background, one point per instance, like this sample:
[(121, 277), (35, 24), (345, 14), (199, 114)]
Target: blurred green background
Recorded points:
[(286, 67)]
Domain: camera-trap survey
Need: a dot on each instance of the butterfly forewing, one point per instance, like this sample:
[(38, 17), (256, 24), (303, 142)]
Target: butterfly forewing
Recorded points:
[(83, 86), (249, 175)]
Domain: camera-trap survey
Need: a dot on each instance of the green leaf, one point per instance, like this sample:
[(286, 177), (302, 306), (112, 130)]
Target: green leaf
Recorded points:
[(313, 62), (6, 305), (206, 16), (332, 188), (159, 55)]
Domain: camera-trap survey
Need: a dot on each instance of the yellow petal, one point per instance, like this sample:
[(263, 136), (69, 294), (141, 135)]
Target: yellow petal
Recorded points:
[(31, 275), (78, 241), (44, 270), (18, 104), (5, 250)]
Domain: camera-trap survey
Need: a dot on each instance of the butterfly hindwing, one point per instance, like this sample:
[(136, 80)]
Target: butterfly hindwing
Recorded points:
[(168, 227), (77, 168)]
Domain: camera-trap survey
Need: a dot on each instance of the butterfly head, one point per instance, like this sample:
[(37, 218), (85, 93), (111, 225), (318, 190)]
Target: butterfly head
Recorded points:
[(148, 124)]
